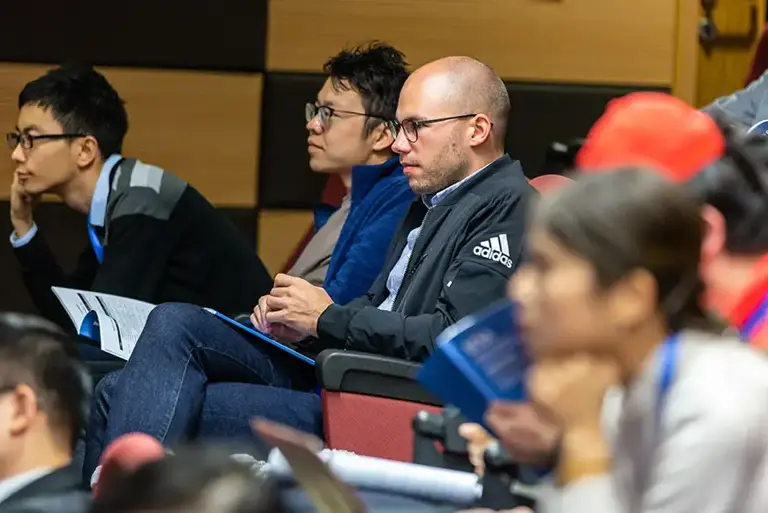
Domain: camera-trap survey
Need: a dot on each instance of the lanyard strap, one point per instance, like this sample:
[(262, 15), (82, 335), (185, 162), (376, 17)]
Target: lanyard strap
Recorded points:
[(752, 323), (98, 247), (96, 244), (669, 356)]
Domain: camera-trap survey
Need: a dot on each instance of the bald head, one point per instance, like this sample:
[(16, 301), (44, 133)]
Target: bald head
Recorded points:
[(452, 117), (466, 85)]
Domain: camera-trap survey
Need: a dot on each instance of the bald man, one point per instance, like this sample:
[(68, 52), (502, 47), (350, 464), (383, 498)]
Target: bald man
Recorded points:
[(453, 254), (461, 239)]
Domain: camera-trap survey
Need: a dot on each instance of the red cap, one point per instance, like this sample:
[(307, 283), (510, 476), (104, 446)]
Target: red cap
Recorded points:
[(123, 456), (652, 129)]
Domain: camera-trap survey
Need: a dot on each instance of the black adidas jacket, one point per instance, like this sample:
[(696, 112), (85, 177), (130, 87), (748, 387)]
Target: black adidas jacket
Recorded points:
[(460, 264)]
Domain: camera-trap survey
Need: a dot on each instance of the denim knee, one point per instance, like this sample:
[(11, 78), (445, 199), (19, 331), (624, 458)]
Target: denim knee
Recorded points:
[(169, 316), (103, 392), (170, 325)]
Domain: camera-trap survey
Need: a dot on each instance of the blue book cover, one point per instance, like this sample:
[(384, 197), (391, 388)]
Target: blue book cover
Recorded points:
[(261, 336), (478, 360)]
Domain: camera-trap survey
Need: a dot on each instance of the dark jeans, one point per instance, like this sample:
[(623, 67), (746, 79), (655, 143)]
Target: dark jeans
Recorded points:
[(191, 375)]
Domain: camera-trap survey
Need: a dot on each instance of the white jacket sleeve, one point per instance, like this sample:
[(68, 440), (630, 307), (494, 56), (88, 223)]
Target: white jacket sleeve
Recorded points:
[(710, 458)]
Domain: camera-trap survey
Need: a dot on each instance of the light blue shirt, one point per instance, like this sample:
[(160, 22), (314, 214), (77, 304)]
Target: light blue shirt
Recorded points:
[(98, 212), (396, 275)]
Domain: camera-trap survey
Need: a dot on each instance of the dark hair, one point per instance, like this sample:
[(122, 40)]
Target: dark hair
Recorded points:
[(36, 353), (196, 479), (630, 219), (737, 186), (377, 72), (83, 102)]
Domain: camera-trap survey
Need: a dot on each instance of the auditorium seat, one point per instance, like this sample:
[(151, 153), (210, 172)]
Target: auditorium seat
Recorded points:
[(333, 194), (369, 402)]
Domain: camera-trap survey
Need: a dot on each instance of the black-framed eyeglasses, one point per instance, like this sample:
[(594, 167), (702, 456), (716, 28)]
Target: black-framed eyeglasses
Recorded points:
[(27, 140), (411, 127), (324, 113)]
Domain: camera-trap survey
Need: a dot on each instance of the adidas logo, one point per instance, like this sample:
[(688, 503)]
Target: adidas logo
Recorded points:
[(496, 249)]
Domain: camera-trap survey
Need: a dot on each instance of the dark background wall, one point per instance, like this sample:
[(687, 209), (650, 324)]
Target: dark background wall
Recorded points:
[(215, 90)]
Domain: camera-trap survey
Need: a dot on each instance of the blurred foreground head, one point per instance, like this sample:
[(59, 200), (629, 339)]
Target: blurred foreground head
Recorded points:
[(44, 395), (614, 259), (722, 166), (195, 480)]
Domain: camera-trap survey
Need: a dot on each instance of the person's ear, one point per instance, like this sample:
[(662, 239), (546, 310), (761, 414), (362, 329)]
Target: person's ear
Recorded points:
[(714, 234), (480, 130), (24, 409), (382, 137), (633, 299), (87, 149)]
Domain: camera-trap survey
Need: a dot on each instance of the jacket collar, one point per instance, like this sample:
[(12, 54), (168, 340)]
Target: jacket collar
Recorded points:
[(503, 167), (364, 177)]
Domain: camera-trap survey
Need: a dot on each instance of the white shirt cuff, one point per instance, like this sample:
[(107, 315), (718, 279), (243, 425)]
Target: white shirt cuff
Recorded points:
[(18, 242)]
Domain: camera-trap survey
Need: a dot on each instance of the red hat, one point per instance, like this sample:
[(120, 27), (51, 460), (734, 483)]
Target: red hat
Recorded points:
[(652, 129)]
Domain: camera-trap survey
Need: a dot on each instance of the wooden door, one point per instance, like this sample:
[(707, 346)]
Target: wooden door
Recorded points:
[(724, 64)]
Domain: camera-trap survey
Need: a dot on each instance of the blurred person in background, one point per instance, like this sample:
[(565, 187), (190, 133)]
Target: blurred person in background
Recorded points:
[(610, 303), (44, 397)]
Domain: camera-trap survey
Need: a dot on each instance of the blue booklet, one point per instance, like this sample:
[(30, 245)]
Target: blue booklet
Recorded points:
[(261, 336), (478, 360)]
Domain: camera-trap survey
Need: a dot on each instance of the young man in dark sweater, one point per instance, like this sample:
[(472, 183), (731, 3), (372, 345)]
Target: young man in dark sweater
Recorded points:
[(153, 237)]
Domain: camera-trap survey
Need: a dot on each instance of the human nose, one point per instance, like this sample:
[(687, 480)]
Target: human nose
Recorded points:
[(401, 144)]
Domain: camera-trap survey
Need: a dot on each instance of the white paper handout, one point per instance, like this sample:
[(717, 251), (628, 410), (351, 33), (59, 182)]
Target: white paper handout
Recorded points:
[(113, 321)]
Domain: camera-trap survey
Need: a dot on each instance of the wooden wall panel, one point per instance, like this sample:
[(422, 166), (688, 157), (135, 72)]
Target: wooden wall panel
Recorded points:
[(202, 126), (279, 232), (587, 41), (12, 79)]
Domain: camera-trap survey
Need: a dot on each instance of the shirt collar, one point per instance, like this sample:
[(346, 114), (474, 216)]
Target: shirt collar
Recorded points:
[(752, 297), (430, 200), (13, 484), (101, 192)]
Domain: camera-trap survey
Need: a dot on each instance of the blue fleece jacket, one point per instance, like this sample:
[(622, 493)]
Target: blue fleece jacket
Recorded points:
[(380, 197)]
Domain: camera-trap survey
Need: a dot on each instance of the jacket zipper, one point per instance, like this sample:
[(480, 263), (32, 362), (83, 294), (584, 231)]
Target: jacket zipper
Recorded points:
[(410, 272)]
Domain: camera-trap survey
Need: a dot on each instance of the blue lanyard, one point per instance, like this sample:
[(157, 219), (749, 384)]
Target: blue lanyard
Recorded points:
[(98, 248), (669, 357), (753, 321)]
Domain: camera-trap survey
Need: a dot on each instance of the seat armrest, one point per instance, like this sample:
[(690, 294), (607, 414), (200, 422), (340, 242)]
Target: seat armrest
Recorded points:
[(371, 374)]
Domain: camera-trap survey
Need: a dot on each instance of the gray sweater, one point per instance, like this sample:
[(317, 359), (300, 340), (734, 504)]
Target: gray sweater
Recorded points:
[(709, 453)]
